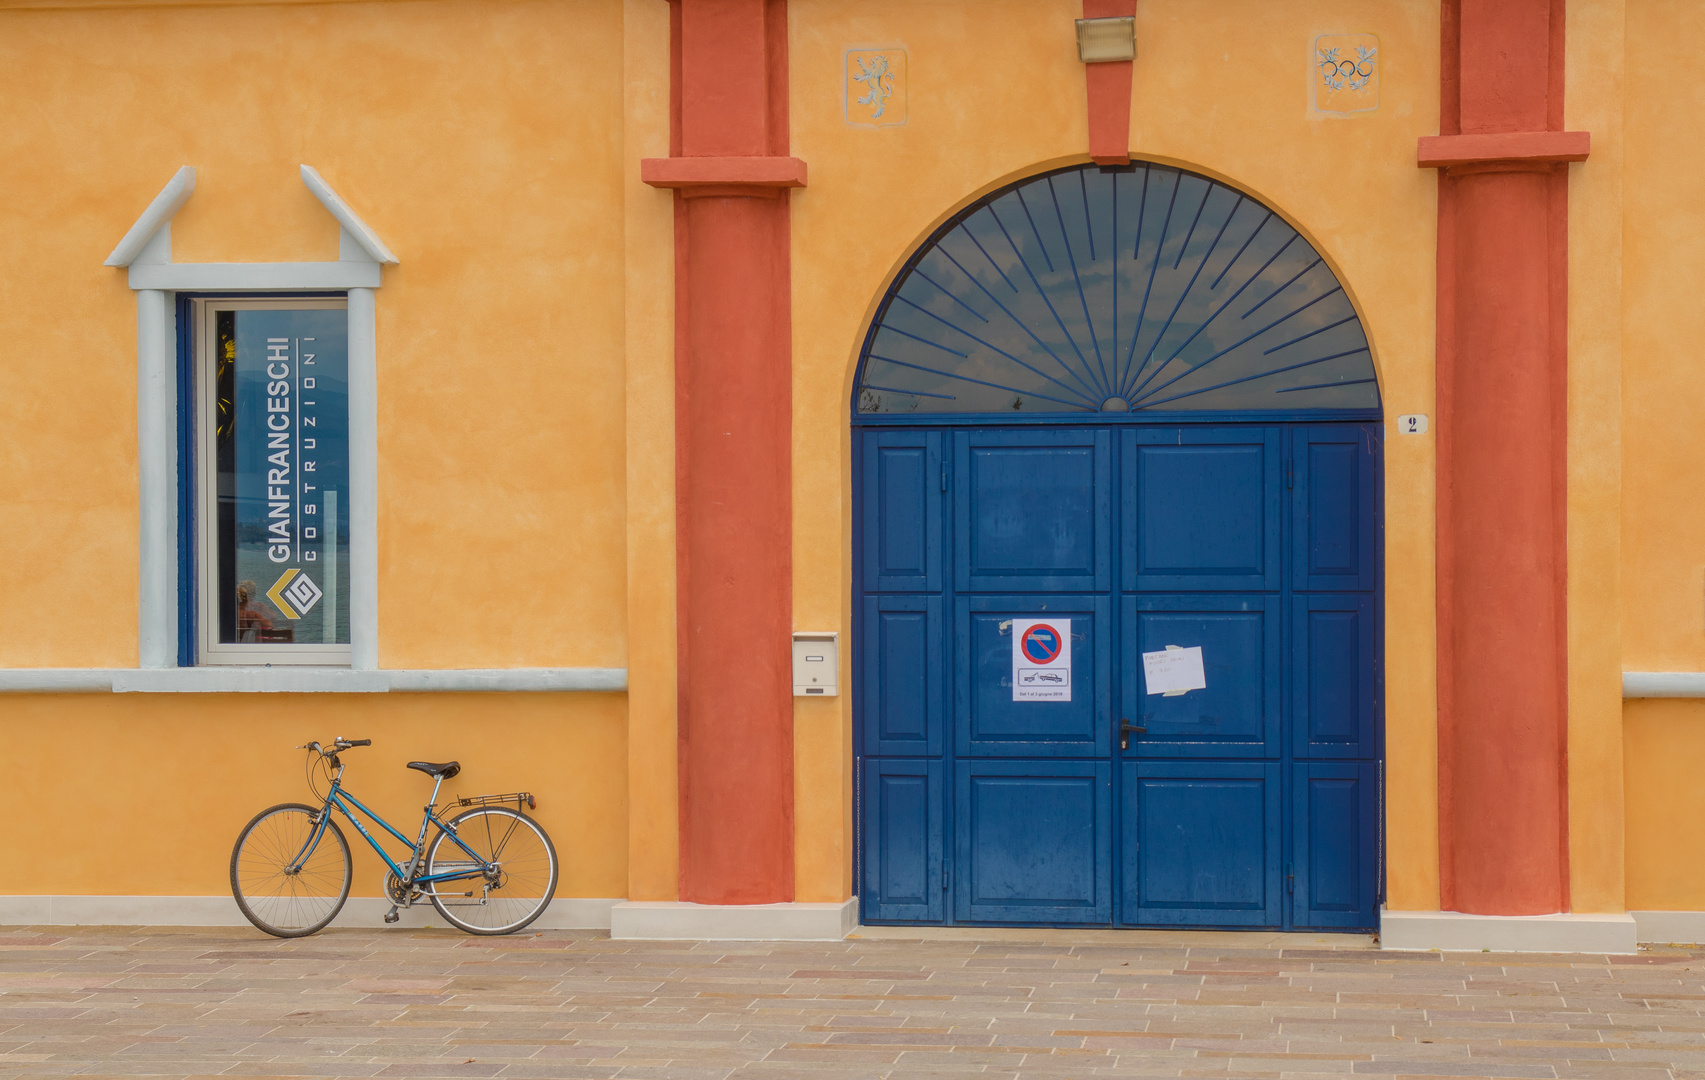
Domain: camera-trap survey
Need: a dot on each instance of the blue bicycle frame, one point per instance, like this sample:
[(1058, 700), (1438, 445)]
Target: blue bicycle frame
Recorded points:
[(343, 800)]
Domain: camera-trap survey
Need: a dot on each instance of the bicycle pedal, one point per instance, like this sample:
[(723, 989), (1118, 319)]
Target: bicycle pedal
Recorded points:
[(391, 916)]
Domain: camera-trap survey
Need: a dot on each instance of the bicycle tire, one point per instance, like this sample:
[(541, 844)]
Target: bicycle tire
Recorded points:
[(283, 904), (527, 878)]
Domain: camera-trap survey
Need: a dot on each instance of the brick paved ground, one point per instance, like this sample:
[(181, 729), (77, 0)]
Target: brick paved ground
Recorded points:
[(433, 1003)]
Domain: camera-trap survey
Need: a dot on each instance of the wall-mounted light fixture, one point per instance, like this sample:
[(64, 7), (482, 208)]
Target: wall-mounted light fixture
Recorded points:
[(1102, 41)]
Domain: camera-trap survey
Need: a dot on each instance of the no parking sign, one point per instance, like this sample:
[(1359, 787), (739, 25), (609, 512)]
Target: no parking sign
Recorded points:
[(1041, 659)]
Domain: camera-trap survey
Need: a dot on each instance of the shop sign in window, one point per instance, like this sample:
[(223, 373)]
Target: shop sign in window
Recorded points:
[(274, 471)]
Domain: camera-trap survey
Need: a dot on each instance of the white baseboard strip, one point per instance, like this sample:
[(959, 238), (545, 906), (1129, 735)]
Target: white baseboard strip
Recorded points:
[(1454, 931), (565, 912), (670, 920), (1670, 927), (675, 921)]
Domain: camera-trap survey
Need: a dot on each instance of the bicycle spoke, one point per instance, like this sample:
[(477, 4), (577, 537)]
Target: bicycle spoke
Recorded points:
[(520, 884), (278, 896)]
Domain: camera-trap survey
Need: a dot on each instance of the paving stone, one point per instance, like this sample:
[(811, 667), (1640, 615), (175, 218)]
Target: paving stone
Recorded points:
[(890, 1004)]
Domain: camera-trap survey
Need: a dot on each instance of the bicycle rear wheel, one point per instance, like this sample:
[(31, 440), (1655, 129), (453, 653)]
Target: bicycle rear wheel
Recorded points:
[(511, 896), (288, 901)]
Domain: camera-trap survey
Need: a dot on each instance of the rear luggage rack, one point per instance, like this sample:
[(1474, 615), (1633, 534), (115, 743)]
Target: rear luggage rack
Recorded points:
[(519, 798)]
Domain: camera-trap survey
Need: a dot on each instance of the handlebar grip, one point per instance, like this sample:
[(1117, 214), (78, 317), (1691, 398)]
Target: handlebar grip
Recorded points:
[(358, 742)]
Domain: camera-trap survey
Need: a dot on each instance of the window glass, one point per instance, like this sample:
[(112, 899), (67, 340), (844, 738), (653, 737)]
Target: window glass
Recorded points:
[(275, 556), (1147, 289)]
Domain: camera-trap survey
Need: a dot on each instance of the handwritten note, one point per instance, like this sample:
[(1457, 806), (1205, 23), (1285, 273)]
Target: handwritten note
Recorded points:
[(1174, 671)]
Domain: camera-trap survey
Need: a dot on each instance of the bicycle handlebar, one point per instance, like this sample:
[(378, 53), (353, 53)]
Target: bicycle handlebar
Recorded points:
[(339, 743)]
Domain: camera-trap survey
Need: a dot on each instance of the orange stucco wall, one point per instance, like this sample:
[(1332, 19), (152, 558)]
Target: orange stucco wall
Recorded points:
[(649, 311), (1662, 392), (144, 794), (496, 171), (491, 167), (1666, 805)]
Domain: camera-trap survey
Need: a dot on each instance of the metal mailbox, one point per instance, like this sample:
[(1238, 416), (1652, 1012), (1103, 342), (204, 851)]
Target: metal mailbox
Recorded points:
[(816, 662)]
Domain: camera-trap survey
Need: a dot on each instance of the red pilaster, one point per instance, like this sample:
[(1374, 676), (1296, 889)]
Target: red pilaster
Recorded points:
[(1109, 86), (1502, 380), (732, 421)]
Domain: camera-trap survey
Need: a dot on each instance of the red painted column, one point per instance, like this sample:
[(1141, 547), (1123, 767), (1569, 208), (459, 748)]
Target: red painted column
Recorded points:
[(1109, 85), (1502, 377), (733, 432)]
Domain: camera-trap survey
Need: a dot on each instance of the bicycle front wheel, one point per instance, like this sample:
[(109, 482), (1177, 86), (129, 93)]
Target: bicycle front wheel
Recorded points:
[(275, 893), (517, 888)]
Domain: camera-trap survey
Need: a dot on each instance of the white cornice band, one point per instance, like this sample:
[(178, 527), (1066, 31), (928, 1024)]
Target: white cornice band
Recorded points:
[(310, 680), (1655, 684), (1635, 684)]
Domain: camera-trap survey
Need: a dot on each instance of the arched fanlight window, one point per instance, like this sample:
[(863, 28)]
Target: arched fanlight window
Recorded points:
[(1090, 290)]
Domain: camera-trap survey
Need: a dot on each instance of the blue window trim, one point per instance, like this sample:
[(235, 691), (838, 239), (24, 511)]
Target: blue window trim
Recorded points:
[(188, 520), (186, 485)]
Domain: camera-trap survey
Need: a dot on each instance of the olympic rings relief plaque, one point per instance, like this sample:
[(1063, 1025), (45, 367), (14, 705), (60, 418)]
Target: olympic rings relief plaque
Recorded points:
[(1345, 73), (1041, 659)]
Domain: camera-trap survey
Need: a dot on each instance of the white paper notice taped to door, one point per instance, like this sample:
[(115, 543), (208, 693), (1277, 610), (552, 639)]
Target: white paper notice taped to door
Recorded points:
[(1174, 671), (1041, 659)]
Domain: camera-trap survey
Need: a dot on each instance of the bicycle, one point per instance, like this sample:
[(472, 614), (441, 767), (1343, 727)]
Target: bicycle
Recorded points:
[(489, 870)]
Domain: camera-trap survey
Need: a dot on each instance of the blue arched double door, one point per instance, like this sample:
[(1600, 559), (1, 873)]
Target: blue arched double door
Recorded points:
[(1137, 404)]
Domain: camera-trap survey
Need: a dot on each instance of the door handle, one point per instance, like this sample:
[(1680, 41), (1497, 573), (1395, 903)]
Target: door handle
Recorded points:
[(1126, 730)]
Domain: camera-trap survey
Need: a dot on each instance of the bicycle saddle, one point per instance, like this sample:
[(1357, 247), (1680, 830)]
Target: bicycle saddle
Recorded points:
[(438, 770)]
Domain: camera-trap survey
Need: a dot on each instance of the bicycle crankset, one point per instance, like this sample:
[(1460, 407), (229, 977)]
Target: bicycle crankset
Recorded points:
[(396, 893)]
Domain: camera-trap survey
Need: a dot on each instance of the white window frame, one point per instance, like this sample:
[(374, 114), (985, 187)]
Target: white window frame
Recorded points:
[(208, 648), (146, 252)]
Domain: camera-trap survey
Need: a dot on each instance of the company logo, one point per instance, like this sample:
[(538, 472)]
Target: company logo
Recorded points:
[(294, 593)]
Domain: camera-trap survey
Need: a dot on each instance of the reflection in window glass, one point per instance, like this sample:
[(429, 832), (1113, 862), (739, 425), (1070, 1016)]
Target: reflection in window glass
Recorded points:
[(280, 420)]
